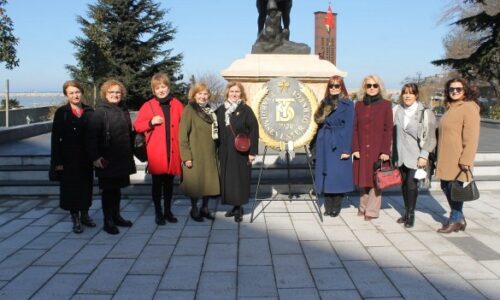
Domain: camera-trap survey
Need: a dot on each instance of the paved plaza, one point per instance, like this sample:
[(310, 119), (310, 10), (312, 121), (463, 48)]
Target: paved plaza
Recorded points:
[(286, 253)]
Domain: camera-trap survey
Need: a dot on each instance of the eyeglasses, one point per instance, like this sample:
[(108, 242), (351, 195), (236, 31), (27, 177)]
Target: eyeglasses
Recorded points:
[(369, 85), (455, 90), (337, 86), (114, 92)]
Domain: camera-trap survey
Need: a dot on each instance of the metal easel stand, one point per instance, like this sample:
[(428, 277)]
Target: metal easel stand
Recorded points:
[(312, 195)]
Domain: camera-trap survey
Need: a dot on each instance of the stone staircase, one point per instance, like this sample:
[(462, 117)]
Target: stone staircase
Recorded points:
[(27, 175)]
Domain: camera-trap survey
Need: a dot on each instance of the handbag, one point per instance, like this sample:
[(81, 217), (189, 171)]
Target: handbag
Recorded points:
[(242, 141), (459, 193), (140, 143), (386, 177)]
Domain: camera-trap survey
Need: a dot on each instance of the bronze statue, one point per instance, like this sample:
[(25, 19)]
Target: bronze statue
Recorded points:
[(283, 6)]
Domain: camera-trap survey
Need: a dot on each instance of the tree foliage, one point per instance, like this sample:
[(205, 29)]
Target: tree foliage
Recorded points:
[(125, 39), (8, 41)]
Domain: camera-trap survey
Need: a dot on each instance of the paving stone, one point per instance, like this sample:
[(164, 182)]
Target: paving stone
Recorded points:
[(165, 236), (253, 252), (177, 295), (320, 254), (46, 240), (221, 257), (143, 224), (437, 243), (36, 213), (65, 227), (467, 267), (130, 246), (217, 285), (87, 259), (351, 251), (107, 277), (61, 253), (332, 279), (298, 294), (18, 240), (405, 241), (256, 281), (371, 238), (341, 295), (253, 230), (27, 283), (196, 231), (292, 272), (492, 265), (91, 297), (17, 262), (153, 260), (426, 262), (452, 286), (138, 287), (277, 223), (48, 219), (411, 284), (388, 257), (222, 222), (7, 216), (488, 288), (61, 286), (475, 248), (13, 227), (309, 231), (103, 238), (370, 280), (25, 206), (339, 233), (191, 246), (284, 242), (223, 236), (183, 273)]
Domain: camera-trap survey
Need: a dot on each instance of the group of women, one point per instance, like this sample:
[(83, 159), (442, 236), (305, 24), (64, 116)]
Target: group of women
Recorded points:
[(358, 139), (196, 142)]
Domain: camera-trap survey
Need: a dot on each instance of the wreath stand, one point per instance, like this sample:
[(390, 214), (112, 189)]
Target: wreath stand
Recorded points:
[(312, 194)]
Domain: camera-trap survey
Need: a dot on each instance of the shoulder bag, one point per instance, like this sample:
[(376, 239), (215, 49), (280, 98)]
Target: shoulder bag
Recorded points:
[(459, 193), (242, 141), (140, 143)]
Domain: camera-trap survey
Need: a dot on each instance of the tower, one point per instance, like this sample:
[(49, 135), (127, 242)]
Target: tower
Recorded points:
[(325, 42)]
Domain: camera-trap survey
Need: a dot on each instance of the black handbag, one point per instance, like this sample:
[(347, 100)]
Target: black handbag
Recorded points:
[(459, 193), (53, 174), (140, 143)]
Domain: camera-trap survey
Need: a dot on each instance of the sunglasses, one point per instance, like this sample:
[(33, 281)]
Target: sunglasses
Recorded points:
[(455, 90), (337, 86), (369, 85)]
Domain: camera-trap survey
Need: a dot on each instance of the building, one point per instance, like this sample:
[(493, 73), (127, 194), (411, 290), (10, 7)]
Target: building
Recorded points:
[(325, 42)]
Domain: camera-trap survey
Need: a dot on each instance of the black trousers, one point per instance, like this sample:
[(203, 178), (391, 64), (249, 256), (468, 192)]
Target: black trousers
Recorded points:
[(163, 183), (333, 202), (409, 188), (111, 203)]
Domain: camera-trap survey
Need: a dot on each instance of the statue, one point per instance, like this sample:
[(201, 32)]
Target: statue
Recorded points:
[(283, 6), (272, 38)]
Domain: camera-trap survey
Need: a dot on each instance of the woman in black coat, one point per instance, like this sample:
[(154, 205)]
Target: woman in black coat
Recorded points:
[(235, 117), (69, 158), (110, 148)]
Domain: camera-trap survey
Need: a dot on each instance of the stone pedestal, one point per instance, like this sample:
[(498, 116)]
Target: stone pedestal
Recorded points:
[(256, 69)]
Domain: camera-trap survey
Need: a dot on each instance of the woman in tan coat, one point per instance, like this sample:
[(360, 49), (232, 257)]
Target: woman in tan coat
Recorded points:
[(197, 136), (457, 145)]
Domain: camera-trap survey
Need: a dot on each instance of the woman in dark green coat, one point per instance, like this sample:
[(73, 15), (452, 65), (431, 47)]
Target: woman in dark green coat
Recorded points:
[(197, 135)]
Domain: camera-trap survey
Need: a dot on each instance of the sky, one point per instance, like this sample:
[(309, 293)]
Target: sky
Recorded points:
[(391, 38)]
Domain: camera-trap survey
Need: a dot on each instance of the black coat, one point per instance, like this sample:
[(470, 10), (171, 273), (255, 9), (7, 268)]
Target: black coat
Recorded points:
[(119, 151), (235, 170), (68, 149)]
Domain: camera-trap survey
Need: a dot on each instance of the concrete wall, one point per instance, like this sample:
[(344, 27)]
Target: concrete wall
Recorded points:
[(20, 116)]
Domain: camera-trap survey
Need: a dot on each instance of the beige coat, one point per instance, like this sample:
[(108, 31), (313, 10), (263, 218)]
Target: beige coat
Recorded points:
[(458, 139)]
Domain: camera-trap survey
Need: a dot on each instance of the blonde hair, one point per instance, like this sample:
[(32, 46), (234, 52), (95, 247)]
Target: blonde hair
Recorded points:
[(159, 78), (242, 90), (108, 84), (362, 89), (72, 83), (195, 89)]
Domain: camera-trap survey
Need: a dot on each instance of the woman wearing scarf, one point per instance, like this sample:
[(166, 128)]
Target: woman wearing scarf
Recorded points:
[(371, 142), (235, 117), (198, 133), (333, 171), (159, 118), (415, 139)]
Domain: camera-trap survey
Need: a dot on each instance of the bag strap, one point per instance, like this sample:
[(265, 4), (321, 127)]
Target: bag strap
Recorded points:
[(466, 174), (390, 164), (106, 122)]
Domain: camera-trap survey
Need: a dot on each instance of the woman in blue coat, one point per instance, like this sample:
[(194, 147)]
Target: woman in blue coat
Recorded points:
[(335, 118)]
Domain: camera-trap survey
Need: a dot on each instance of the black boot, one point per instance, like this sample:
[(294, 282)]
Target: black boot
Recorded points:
[(86, 219), (238, 215), (204, 212), (77, 222), (117, 218), (328, 205), (403, 218), (412, 202), (159, 218), (336, 205), (232, 212), (169, 216), (195, 213), (107, 211)]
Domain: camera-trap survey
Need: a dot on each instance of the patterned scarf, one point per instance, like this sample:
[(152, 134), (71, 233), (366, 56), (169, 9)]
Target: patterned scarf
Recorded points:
[(207, 109), (230, 108)]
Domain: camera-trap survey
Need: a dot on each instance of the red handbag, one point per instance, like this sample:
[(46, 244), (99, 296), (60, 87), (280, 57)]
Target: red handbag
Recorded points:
[(241, 141), (386, 177)]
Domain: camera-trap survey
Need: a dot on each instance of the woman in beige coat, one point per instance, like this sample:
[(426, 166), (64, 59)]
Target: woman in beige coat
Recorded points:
[(457, 145), (197, 135)]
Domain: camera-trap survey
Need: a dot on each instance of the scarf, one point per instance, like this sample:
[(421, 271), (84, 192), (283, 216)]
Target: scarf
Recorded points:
[(327, 106), (209, 111), (371, 99), (409, 113), (230, 107)]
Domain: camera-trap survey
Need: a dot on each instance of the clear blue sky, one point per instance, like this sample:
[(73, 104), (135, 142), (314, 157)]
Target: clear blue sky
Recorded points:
[(391, 38)]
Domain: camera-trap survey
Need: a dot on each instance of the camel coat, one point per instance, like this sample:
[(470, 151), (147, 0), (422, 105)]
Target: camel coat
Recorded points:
[(458, 139)]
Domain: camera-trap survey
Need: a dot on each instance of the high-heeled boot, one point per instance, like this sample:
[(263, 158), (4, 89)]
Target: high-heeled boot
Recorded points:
[(403, 218), (77, 223), (159, 218), (412, 202), (117, 218), (86, 219), (169, 216)]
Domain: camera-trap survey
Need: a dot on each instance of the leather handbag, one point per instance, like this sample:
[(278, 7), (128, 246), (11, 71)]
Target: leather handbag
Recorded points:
[(242, 141), (140, 143), (459, 193), (387, 176)]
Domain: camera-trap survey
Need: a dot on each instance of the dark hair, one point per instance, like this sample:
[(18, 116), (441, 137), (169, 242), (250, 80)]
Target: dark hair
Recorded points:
[(72, 83), (469, 94), (412, 87), (340, 80)]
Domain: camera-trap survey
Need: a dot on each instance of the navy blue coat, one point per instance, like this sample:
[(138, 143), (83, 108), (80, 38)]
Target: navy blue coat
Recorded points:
[(332, 174)]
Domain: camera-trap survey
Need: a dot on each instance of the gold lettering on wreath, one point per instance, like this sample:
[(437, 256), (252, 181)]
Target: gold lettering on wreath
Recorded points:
[(284, 112)]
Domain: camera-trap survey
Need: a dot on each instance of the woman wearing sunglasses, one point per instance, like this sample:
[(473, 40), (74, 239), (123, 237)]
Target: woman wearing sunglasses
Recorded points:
[(457, 145), (371, 142), (333, 172)]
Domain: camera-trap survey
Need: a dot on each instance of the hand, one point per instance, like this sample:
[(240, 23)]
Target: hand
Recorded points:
[(384, 157), (355, 154), (421, 162), (464, 168), (188, 163), (345, 156), (251, 158), (59, 168), (98, 163), (156, 120)]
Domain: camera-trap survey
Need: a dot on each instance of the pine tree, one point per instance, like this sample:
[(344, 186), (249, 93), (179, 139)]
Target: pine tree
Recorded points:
[(8, 41), (125, 39)]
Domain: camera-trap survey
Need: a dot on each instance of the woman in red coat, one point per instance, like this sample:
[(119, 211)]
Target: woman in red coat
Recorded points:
[(159, 118), (371, 142)]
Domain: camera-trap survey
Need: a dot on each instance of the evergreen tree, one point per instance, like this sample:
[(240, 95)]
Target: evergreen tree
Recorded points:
[(125, 39), (8, 41)]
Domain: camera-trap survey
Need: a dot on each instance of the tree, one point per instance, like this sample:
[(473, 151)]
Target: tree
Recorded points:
[(478, 35), (125, 39), (216, 84), (8, 41), (13, 103)]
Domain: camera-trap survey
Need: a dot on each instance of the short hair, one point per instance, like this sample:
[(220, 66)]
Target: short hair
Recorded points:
[(108, 84), (72, 83), (469, 94), (159, 78), (195, 89), (340, 80), (412, 87), (238, 84), (362, 90)]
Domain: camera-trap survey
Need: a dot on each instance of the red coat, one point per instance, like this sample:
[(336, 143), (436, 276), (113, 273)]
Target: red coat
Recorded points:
[(372, 136), (156, 137)]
